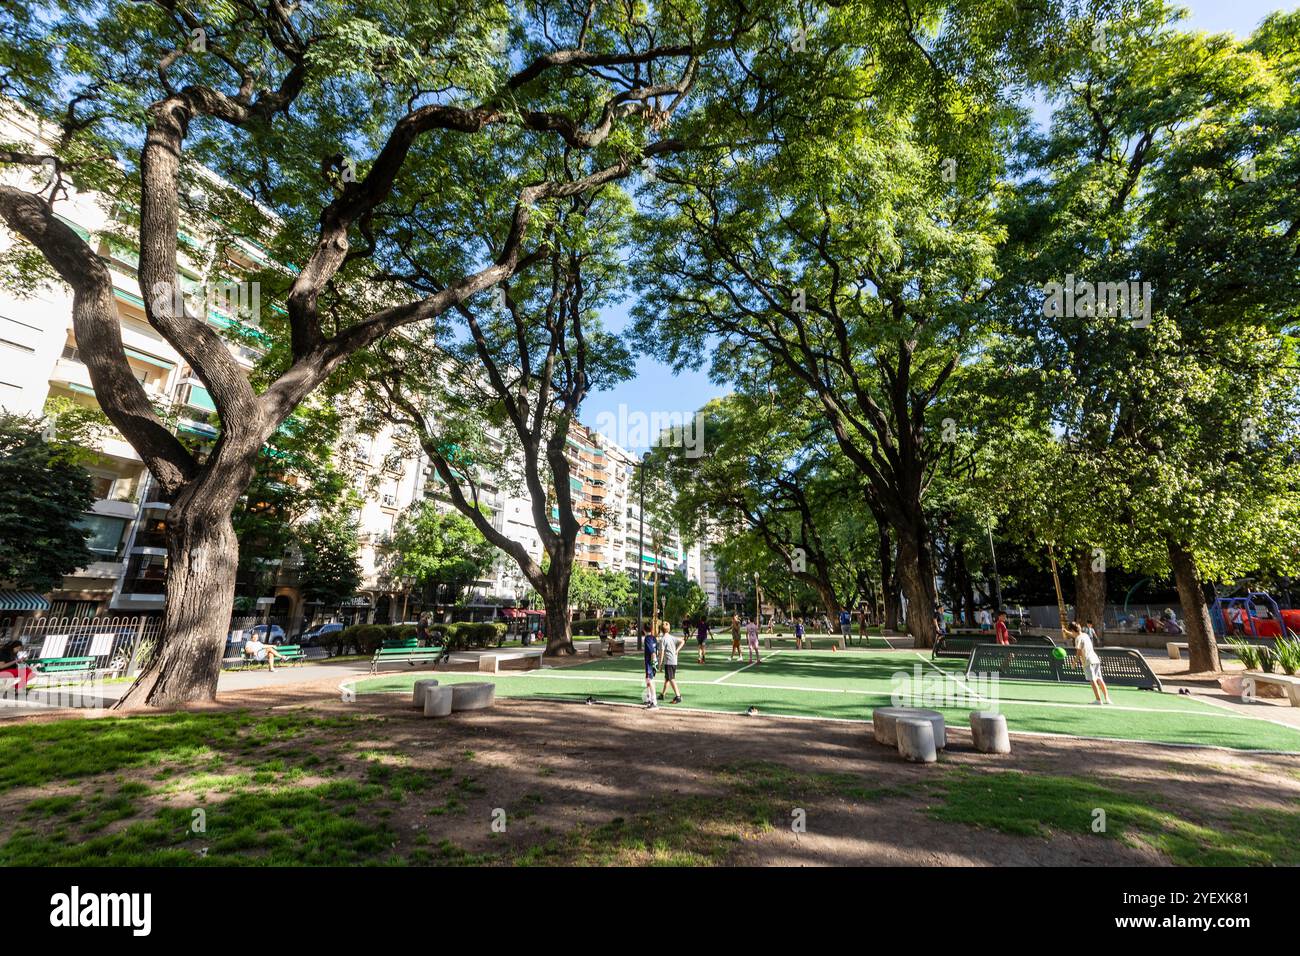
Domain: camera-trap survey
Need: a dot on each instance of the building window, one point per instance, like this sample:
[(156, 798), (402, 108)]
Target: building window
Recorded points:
[(105, 538)]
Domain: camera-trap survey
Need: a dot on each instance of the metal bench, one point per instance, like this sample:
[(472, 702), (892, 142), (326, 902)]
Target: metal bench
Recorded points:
[(1120, 666), (962, 645), (405, 655)]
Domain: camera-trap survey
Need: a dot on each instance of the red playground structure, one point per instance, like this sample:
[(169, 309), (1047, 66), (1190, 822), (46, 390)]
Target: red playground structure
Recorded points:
[(1255, 615)]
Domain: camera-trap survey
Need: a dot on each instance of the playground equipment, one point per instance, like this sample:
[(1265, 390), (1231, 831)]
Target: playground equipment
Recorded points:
[(1255, 615)]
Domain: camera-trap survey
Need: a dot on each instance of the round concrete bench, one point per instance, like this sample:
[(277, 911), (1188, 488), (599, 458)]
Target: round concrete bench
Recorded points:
[(989, 731), (473, 696), (884, 720), (418, 689), (437, 701), (916, 740)]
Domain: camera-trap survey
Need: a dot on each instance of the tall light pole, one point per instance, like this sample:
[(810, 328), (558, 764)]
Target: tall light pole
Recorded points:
[(997, 582), (640, 552)]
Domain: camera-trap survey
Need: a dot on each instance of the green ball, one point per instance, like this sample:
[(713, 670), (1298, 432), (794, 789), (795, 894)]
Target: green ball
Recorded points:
[(1058, 653)]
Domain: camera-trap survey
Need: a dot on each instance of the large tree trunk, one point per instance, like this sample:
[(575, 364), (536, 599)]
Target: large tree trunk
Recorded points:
[(965, 587), (916, 573), (1089, 591), (888, 580), (1202, 650), (555, 597), (202, 557)]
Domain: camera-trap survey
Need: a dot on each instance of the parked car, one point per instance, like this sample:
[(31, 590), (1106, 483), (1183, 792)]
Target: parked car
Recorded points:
[(316, 636), (268, 633)]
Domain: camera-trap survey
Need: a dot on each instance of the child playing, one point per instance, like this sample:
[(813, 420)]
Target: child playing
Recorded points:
[(735, 637), (669, 645), (702, 635), (1090, 661), (651, 645), (751, 637), (798, 634)]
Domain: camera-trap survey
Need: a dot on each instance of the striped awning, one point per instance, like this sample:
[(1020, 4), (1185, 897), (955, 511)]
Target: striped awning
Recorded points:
[(22, 601)]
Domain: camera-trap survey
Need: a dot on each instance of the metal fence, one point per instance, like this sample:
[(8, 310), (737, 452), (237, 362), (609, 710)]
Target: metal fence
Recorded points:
[(113, 642)]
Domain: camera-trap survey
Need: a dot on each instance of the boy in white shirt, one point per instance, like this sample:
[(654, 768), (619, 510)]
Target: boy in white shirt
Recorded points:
[(669, 645), (1091, 662)]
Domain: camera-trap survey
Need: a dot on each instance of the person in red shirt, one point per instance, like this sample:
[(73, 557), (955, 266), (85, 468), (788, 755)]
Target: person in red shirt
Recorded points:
[(1003, 635)]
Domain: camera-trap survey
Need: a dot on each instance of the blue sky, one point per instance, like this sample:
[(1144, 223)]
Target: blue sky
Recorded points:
[(656, 388)]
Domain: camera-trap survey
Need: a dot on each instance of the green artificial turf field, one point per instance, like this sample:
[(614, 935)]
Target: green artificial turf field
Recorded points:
[(848, 684)]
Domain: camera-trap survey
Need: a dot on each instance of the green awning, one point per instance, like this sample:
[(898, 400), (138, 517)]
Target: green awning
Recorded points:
[(145, 357), (22, 601), (81, 231), (82, 389), (200, 398), (125, 296)]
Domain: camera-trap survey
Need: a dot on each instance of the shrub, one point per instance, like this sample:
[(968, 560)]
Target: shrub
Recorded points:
[(1288, 654), (341, 642), (1248, 654), (369, 637)]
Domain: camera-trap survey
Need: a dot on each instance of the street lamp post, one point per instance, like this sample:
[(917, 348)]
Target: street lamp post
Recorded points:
[(640, 552), (997, 582)]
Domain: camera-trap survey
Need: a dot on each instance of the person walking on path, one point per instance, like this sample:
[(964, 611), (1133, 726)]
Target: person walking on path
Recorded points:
[(669, 645), (751, 637)]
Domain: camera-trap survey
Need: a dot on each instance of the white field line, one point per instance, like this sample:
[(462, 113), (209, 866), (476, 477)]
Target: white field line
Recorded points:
[(964, 686), (1014, 733), (347, 685), (614, 679), (745, 668)]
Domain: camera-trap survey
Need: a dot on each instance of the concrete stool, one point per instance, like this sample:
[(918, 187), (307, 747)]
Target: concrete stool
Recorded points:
[(596, 649), (437, 701), (916, 739), (489, 663), (473, 696), (418, 689), (989, 731), (883, 720)]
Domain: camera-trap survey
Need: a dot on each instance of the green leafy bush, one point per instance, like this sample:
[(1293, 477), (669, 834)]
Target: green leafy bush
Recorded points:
[(1287, 652)]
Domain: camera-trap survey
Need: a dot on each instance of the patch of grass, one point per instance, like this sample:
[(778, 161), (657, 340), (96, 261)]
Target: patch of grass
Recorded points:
[(1039, 805)]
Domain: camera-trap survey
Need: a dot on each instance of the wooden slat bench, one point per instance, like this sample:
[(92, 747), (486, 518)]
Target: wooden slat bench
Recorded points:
[(284, 654), (64, 665), (405, 655)]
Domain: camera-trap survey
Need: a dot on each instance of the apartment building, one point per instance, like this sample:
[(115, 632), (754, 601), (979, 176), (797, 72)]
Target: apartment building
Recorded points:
[(40, 362)]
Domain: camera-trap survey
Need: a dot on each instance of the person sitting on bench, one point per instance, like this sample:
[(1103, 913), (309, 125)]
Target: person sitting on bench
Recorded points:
[(259, 651), (12, 666)]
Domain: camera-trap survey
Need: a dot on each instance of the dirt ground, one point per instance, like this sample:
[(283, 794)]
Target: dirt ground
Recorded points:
[(553, 767), (549, 770)]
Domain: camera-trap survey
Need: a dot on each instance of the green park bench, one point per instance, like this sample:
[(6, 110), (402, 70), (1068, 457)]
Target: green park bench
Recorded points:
[(284, 654), (405, 655), (64, 665), (391, 643), (962, 643), (1120, 666)]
